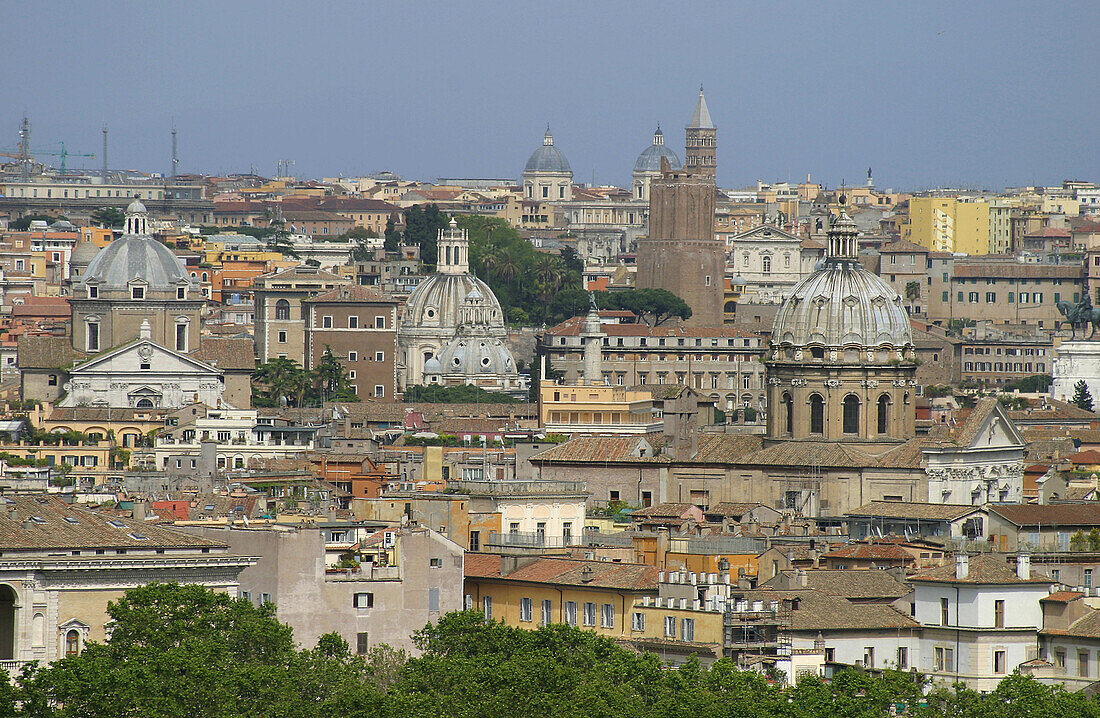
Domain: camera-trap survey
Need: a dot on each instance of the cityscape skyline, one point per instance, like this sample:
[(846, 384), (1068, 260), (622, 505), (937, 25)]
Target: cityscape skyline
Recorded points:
[(927, 96)]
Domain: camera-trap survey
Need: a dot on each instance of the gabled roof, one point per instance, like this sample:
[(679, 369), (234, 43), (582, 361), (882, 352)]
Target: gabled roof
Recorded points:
[(47, 353), (665, 511), (43, 523), (227, 353), (731, 510), (871, 552), (569, 572), (352, 293), (913, 510), (983, 568), (857, 583), (1049, 515), (106, 356), (818, 611), (601, 449)]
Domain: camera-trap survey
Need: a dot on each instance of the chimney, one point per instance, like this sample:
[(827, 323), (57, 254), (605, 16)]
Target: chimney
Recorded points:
[(724, 570), (1023, 566), (962, 565), (800, 578)]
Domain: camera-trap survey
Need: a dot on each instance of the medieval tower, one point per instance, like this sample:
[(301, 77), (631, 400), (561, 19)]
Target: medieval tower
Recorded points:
[(682, 254)]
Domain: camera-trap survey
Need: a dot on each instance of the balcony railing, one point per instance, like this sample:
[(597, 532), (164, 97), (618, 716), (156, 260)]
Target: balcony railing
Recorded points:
[(530, 540)]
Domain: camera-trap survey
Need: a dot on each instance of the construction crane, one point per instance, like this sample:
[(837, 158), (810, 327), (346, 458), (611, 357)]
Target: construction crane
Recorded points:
[(26, 154)]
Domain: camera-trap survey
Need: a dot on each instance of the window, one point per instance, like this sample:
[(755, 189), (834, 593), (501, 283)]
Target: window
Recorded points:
[(1060, 659), (487, 607), (571, 613), (282, 309), (670, 626), (475, 540), (435, 563), (93, 292), (991, 297), (547, 612), (788, 412), (93, 336), (851, 414), (945, 613), (181, 337), (998, 661), (607, 616), (869, 657), (972, 297), (353, 322), (137, 292), (1083, 664), (883, 413), (637, 622), (282, 337), (379, 322), (362, 643), (903, 658), (589, 614), (817, 414), (72, 643), (181, 292), (526, 609), (351, 374), (830, 655), (1088, 578), (326, 322), (379, 390), (380, 356), (363, 600), (687, 629), (52, 380), (944, 659), (946, 297), (998, 614), (766, 262), (353, 356)]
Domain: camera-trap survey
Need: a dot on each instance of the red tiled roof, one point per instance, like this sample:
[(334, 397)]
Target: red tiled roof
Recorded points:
[(1062, 596), (889, 552), (603, 575)]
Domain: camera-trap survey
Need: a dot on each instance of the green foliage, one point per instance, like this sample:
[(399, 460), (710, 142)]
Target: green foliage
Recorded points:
[(912, 291), (278, 239), (935, 391), (521, 277), (1030, 384), (24, 223), (393, 237), (109, 217), (283, 381), (955, 326), (1016, 403), (361, 236), (1078, 542), (422, 225), (1094, 540), (188, 651), (653, 306), (464, 394), (1082, 398)]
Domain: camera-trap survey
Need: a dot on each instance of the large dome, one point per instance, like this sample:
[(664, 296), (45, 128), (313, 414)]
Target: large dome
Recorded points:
[(650, 159), (468, 355), (435, 302), (842, 305), (547, 158), (135, 257)]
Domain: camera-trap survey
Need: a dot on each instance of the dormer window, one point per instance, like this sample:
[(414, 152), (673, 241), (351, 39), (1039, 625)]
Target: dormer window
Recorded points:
[(93, 292), (137, 292), (181, 292)]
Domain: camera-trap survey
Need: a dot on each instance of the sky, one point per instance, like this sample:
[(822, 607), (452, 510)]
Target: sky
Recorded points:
[(928, 94)]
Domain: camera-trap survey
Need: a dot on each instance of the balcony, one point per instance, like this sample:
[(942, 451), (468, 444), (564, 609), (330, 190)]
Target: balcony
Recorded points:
[(529, 540)]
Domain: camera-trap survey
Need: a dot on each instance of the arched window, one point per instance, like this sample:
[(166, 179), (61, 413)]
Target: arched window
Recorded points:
[(282, 309), (817, 414), (788, 413), (851, 414), (767, 262), (883, 413), (72, 643), (144, 404), (7, 623)]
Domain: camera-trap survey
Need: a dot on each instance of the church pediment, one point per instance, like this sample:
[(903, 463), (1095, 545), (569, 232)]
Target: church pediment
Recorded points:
[(766, 233), (144, 355)]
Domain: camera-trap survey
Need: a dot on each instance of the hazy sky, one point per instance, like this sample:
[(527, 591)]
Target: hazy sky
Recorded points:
[(928, 94)]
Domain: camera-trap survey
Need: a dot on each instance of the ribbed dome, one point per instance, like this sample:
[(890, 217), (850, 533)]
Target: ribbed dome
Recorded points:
[(136, 207), (476, 355), (83, 253), (842, 305), (547, 158), (650, 159), (435, 302), (135, 257)]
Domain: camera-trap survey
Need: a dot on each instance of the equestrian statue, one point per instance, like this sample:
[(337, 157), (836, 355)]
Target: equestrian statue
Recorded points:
[(1081, 315)]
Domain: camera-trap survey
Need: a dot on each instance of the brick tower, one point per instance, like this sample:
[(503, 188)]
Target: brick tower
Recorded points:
[(681, 253)]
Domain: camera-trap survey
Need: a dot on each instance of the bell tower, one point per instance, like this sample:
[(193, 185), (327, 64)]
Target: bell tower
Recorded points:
[(701, 141)]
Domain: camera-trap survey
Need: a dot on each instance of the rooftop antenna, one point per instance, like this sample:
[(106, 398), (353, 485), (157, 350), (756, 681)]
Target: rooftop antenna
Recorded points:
[(104, 152), (25, 149), (175, 157)]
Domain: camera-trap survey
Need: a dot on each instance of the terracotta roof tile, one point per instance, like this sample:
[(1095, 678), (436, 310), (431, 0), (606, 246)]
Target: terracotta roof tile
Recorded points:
[(982, 568), (598, 449), (1049, 515), (604, 574), (227, 353), (913, 510)]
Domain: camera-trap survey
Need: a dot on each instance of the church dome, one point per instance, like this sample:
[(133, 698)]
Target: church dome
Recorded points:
[(842, 305), (436, 301), (83, 253), (136, 207), (134, 257), (471, 355), (650, 159), (547, 158)]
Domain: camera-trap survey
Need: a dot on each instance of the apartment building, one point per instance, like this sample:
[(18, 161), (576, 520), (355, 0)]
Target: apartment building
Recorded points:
[(948, 224), (280, 312), (359, 326)]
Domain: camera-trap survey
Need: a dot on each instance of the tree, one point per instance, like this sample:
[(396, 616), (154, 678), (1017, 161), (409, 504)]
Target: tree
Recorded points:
[(464, 394), (361, 236), (278, 240), (109, 217), (422, 225), (912, 291), (333, 380), (190, 651), (1082, 398), (393, 237), (276, 382), (24, 223)]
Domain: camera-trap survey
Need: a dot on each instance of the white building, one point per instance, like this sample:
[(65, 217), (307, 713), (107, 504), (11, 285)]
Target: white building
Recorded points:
[(771, 262), (980, 619), (984, 463), (241, 440)]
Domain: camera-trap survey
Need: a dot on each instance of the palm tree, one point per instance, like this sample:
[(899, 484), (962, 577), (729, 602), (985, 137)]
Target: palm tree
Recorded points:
[(508, 267), (549, 273), (279, 375)]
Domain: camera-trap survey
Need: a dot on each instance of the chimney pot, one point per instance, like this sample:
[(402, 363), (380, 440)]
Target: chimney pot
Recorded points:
[(962, 565)]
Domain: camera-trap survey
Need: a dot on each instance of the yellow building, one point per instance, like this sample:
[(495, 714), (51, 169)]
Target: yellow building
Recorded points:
[(533, 591), (597, 407), (948, 224)]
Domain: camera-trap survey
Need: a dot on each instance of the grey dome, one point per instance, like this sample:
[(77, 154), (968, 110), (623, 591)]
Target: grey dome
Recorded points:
[(435, 301), (547, 158), (136, 257), (83, 253), (62, 225), (842, 305), (471, 355), (432, 366), (136, 207), (650, 159)]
